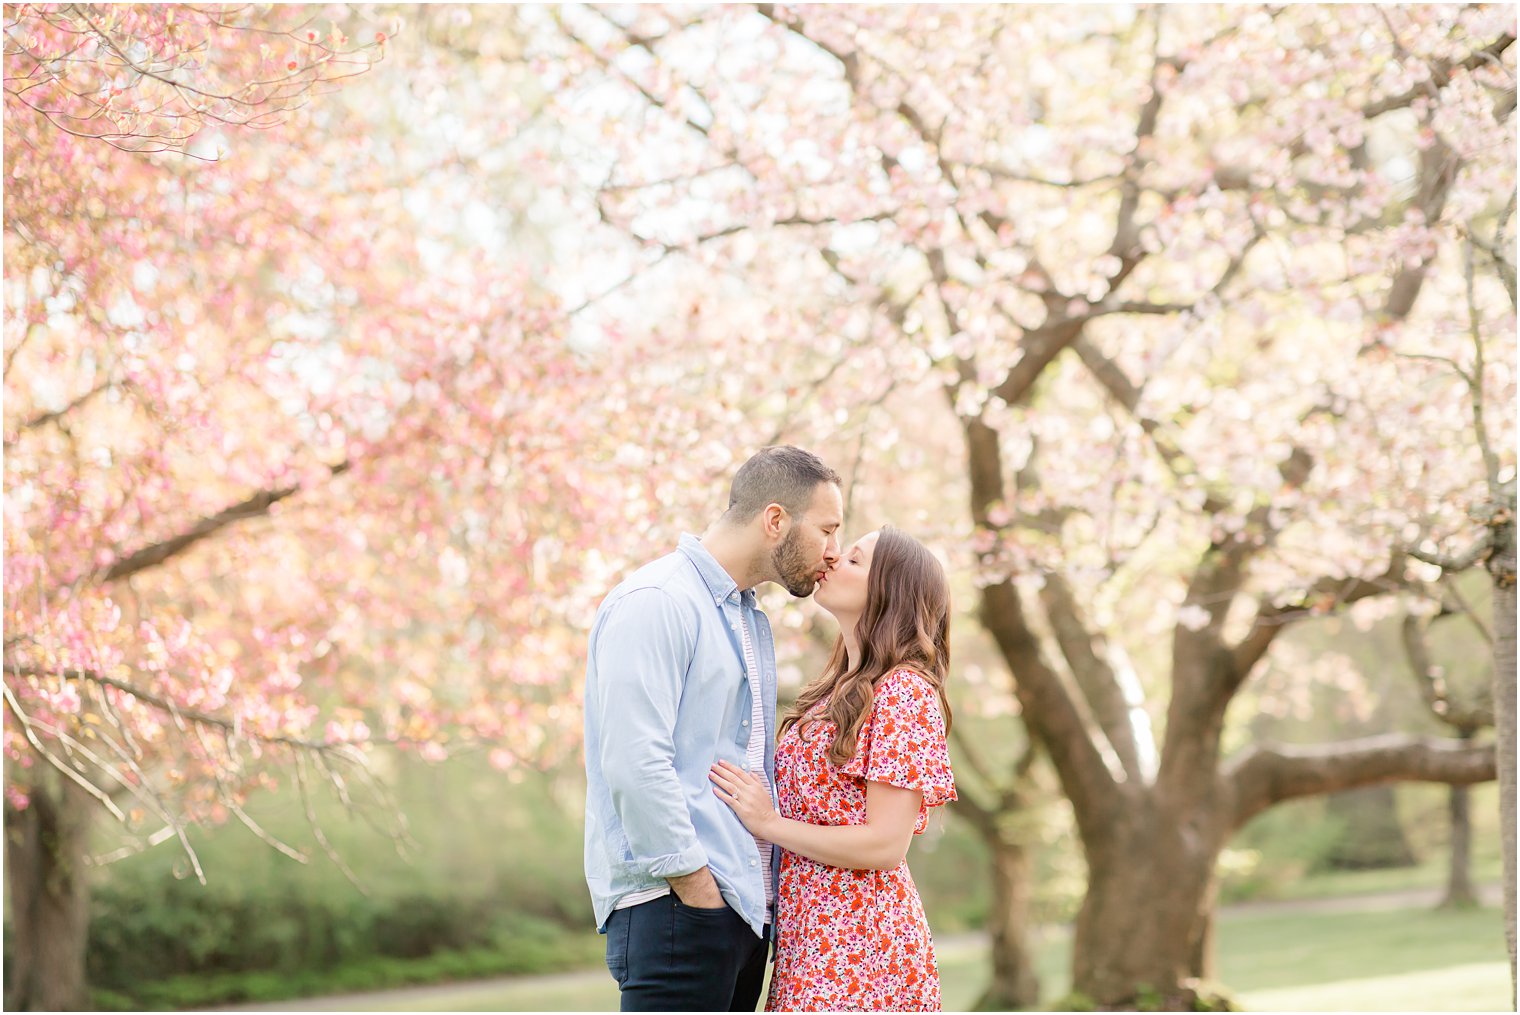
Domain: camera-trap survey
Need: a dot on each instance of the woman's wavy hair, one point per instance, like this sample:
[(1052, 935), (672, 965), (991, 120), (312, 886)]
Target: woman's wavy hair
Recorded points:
[(905, 623)]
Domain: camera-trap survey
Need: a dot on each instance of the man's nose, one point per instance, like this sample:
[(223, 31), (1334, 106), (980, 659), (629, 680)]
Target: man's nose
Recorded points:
[(831, 552)]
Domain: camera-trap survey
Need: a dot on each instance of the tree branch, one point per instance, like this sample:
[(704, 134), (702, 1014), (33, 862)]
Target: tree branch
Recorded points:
[(1477, 552), (1041, 346), (627, 78), (1498, 252), (1267, 774), (1218, 575), (1086, 655), (163, 704), (1049, 712), (1127, 394), (158, 553), (28, 730), (1465, 721), (1232, 269), (1438, 169), (1125, 244), (1440, 77), (1122, 390), (1324, 596), (1463, 607), (1004, 173), (43, 419), (1204, 674)]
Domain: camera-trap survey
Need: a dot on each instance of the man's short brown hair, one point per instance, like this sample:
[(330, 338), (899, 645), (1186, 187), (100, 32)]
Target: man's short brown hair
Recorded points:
[(780, 474)]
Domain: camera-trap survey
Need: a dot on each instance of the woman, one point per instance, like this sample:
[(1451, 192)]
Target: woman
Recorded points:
[(860, 761)]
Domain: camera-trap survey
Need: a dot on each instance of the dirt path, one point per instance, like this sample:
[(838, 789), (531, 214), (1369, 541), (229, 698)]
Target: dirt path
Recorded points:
[(1409, 898), (441, 997)]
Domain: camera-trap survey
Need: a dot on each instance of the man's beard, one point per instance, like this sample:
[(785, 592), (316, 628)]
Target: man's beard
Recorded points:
[(793, 570)]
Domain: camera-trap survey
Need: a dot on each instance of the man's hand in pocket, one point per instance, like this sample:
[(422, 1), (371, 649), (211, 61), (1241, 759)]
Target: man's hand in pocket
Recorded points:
[(699, 890)]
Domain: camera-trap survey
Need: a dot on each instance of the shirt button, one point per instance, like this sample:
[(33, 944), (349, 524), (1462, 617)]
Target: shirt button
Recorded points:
[(745, 723), (754, 863)]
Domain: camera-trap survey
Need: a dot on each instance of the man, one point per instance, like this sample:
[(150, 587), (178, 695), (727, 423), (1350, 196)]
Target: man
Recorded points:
[(682, 672)]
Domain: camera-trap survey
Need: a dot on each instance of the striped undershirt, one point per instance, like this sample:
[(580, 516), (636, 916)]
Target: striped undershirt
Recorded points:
[(755, 759)]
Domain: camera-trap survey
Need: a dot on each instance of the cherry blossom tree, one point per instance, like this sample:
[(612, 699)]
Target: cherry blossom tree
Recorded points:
[(1188, 281), (299, 457)]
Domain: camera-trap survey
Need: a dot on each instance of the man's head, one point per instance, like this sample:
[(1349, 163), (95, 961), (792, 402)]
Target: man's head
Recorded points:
[(788, 503)]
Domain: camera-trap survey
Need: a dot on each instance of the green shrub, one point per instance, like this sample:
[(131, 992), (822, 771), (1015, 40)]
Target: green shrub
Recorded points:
[(177, 944), (535, 949), (414, 926)]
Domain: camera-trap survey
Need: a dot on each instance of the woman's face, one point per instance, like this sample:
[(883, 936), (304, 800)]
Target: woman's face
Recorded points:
[(843, 590)]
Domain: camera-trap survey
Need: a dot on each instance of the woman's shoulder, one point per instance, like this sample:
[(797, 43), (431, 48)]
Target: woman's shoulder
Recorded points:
[(905, 684), (905, 676)]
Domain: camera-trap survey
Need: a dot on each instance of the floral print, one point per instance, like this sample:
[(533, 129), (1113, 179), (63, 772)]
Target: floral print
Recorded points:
[(857, 940)]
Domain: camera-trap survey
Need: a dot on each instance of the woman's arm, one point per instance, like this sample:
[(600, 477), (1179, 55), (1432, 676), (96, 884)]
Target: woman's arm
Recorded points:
[(879, 844)]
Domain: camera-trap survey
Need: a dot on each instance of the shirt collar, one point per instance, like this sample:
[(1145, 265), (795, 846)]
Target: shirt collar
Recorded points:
[(719, 582)]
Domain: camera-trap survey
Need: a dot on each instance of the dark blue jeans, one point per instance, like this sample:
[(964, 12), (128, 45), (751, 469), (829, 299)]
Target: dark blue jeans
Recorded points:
[(667, 956)]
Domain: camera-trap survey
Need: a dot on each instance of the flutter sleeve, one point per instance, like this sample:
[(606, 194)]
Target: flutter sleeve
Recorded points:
[(903, 743)]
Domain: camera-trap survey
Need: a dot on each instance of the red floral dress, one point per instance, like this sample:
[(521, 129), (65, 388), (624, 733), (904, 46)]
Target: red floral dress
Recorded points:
[(857, 940)]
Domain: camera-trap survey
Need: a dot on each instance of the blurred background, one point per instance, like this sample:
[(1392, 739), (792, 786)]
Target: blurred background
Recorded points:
[(354, 352)]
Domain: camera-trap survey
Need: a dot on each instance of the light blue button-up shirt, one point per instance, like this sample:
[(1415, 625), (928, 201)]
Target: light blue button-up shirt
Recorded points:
[(666, 697)]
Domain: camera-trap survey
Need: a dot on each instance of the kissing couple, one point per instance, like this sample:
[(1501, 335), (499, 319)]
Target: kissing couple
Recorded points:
[(715, 834)]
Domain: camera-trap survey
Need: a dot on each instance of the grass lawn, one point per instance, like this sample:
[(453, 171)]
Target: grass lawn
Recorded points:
[(1403, 960), (1482, 986), (1267, 952)]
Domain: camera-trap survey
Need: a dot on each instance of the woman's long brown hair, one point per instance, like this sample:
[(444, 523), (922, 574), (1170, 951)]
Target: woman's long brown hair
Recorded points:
[(905, 623)]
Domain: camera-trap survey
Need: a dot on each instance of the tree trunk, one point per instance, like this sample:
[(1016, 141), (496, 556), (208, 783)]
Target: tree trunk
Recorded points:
[(1205, 949), (1373, 838), (1501, 565), (1014, 984), (45, 873), (1460, 893), (1143, 933)]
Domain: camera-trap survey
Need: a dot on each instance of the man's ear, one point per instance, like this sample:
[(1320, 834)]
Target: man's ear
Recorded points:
[(774, 520)]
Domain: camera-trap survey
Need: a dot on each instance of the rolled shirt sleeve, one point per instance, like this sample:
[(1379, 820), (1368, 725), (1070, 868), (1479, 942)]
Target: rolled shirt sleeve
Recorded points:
[(642, 653)]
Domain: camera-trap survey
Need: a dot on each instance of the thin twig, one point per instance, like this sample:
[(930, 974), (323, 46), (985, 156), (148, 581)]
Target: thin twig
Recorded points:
[(316, 827), (36, 742)]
